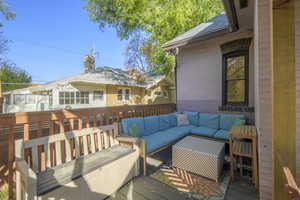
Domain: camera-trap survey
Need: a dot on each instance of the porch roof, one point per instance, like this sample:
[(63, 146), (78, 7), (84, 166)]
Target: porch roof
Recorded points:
[(216, 25)]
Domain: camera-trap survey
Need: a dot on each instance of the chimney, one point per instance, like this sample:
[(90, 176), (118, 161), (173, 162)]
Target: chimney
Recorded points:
[(1, 98), (89, 63)]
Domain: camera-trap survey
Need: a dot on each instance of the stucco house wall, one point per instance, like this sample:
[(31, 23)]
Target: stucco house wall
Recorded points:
[(199, 75)]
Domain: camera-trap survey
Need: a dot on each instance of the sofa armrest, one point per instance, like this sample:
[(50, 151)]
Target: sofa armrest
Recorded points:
[(128, 139)]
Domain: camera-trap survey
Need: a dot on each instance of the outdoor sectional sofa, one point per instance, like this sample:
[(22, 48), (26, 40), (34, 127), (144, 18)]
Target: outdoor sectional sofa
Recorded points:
[(158, 132)]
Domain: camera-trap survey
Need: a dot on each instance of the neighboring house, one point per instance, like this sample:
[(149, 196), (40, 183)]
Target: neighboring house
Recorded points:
[(247, 60), (103, 86)]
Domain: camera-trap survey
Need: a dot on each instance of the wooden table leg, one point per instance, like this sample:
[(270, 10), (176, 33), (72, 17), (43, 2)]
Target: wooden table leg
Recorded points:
[(254, 163), (231, 160)]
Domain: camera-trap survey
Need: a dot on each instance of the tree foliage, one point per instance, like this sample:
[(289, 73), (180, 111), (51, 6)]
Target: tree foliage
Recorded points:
[(161, 20), (6, 12), (9, 73)]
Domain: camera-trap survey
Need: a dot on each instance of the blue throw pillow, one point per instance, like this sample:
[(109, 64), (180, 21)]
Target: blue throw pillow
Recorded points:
[(128, 122), (134, 130), (227, 120)]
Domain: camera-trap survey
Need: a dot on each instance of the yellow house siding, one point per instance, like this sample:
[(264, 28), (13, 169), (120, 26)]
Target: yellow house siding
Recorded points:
[(112, 95), (284, 95), (297, 53)]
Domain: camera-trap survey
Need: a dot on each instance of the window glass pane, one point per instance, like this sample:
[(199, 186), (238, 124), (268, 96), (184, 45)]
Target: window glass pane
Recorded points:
[(30, 99), (61, 98), (236, 91), (81, 98), (98, 95), (120, 94), (67, 97), (86, 97), (77, 98), (19, 99), (72, 100), (236, 67), (127, 94)]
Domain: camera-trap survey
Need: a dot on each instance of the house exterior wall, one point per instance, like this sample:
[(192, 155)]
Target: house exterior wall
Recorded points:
[(136, 93), (199, 75), (152, 98)]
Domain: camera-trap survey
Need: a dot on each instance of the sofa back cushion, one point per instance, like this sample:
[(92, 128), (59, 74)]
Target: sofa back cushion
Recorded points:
[(209, 120), (128, 123), (151, 125), (193, 118), (167, 121), (228, 120)]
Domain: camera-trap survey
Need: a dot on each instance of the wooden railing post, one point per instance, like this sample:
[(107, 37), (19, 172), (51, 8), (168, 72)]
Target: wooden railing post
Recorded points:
[(11, 162)]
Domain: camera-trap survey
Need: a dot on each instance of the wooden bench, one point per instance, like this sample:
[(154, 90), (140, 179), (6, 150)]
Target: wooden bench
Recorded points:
[(82, 164)]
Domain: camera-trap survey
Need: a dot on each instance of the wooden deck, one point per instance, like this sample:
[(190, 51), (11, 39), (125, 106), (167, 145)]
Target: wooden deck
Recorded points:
[(147, 188)]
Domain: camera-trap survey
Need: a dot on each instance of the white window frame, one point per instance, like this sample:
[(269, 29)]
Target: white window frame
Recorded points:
[(98, 97), (21, 95), (124, 94), (73, 97)]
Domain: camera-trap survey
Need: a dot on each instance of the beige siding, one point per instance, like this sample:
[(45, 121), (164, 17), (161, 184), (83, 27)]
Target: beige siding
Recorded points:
[(297, 28), (264, 95), (112, 91)]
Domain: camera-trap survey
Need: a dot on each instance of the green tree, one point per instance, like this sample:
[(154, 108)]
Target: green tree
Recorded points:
[(161, 20), (13, 75), (6, 12)]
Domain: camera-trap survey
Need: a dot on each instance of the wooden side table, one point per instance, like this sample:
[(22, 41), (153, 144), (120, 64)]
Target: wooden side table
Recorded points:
[(244, 149)]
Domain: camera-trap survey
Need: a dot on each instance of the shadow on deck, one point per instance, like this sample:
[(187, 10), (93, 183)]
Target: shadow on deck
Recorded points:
[(148, 188)]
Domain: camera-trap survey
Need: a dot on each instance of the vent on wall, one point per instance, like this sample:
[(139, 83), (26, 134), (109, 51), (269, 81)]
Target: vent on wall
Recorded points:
[(243, 4)]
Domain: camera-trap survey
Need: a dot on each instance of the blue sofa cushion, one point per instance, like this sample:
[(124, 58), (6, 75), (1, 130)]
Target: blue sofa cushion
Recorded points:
[(173, 120), (167, 121), (209, 120), (222, 134), (156, 141), (204, 131), (192, 117), (181, 130), (136, 121), (227, 120), (164, 122), (151, 125)]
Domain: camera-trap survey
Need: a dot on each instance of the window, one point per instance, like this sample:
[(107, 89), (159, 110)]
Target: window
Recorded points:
[(161, 94), (98, 95), (29, 99), (123, 94), (73, 98), (127, 93), (19, 99), (235, 78)]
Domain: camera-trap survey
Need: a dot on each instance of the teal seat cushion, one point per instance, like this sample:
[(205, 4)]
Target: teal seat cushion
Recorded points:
[(228, 120), (209, 120), (156, 140), (130, 122), (204, 131), (222, 134), (173, 120), (151, 125), (192, 117), (181, 130)]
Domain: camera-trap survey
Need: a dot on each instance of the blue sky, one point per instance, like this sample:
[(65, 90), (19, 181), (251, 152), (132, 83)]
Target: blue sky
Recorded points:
[(49, 38)]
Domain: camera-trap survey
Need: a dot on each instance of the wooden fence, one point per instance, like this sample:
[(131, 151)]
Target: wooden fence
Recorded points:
[(37, 124)]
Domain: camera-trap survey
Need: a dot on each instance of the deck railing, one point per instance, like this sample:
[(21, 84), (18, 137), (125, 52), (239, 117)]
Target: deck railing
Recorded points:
[(37, 124)]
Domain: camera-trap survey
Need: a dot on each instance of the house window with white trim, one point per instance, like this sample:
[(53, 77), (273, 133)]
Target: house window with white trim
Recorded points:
[(98, 95), (73, 98), (123, 94), (19, 99)]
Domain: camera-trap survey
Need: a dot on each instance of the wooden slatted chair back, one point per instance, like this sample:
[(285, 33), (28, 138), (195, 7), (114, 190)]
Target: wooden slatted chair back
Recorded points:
[(47, 152), (291, 186)]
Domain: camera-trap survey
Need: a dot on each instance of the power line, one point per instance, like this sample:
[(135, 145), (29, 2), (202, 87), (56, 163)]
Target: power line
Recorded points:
[(37, 43)]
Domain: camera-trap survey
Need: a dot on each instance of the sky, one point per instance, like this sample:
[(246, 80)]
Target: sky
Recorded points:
[(48, 39)]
